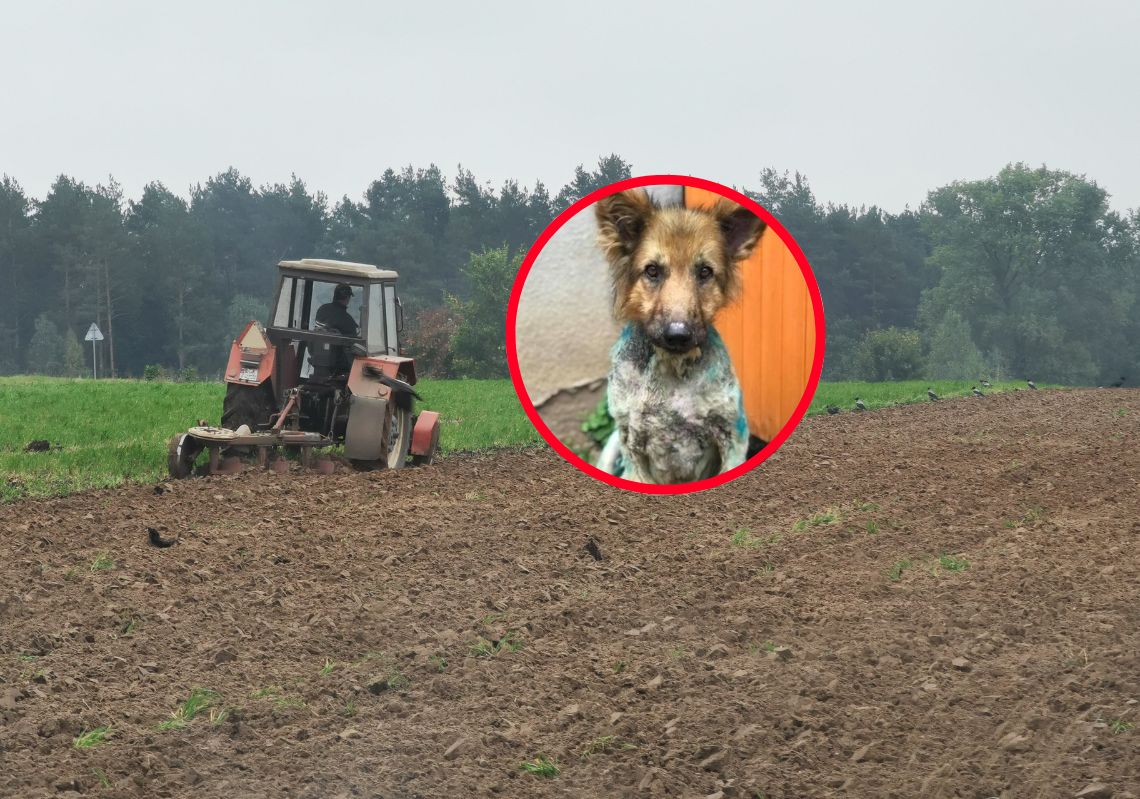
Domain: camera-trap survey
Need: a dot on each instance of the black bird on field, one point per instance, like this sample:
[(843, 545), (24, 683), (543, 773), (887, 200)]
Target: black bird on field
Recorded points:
[(859, 406), (1031, 384), (1119, 382), (592, 549), (832, 409), (157, 540), (978, 393), (930, 393), (986, 384)]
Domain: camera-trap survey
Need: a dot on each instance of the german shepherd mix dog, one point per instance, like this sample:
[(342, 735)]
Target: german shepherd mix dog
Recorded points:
[(673, 394)]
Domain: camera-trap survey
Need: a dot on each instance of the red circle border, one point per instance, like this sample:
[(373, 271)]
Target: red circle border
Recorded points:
[(677, 488)]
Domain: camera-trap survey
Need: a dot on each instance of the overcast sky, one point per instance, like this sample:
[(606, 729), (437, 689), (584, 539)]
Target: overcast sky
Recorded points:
[(875, 102)]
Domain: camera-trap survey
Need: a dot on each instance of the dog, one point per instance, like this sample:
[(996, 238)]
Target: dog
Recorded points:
[(677, 406)]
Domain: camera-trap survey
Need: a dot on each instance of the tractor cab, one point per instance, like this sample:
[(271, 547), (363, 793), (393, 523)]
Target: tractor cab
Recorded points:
[(304, 286)]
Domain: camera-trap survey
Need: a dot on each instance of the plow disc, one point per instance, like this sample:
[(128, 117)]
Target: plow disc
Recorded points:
[(182, 451)]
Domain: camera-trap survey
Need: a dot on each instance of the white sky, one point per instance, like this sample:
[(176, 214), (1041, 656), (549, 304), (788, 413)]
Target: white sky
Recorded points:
[(876, 102)]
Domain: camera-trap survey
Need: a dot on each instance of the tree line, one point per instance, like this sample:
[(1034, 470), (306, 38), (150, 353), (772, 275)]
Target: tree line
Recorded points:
[(1028, 273), (169, 279)]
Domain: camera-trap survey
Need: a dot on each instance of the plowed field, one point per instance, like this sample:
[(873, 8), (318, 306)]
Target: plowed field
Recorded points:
[(937, 600)]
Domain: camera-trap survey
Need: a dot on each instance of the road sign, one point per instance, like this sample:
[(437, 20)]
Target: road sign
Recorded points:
[(94, 334)]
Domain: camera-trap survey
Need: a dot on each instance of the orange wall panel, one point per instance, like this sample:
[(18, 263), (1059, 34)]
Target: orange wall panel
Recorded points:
[(769, 330)]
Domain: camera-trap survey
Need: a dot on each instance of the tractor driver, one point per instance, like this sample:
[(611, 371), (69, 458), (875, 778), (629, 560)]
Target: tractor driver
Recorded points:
[(335, 318)]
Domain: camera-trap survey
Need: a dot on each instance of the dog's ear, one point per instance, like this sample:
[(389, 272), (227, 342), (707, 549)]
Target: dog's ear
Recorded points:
[(739, 227), (622, 219)]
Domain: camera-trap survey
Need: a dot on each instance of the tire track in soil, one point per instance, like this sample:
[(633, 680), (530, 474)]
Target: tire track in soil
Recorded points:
[(999, 680)]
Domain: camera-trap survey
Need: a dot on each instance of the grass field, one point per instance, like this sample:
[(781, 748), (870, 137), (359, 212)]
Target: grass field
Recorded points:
[(111, 431), (884, 395)]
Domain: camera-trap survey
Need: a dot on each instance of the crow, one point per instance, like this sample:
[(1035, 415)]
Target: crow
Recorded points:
[(1031, 384), (832, 409), (978, 393), (986, 384), (930, 393), (157, 540), (593, 549), (859, 406), (1119, 382)]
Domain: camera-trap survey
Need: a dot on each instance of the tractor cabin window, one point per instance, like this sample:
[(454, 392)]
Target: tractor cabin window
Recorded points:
[(323, 293), (289, 298), (391, 320), (382, 319)]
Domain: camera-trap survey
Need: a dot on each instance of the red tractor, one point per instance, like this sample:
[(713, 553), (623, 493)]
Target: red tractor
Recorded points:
[(304, 383)]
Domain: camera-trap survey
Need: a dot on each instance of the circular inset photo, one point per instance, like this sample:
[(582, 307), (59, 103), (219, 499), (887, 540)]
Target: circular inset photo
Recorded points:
[(665, 334)]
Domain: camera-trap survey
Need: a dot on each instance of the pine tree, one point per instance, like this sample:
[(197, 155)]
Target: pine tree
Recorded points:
[(46, 349)]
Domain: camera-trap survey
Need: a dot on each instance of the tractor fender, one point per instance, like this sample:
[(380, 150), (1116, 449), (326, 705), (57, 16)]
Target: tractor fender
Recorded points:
[(425, 436), (391, 366), (364, 436), (397, 366)]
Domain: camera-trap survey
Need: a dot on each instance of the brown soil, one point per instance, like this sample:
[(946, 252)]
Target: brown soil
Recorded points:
[(786, 664)]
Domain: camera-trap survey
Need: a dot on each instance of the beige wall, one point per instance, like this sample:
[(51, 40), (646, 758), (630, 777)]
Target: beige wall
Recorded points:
[(565, 325)]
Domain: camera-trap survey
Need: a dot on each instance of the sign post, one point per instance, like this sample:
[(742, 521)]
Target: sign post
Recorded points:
[(94, 334)]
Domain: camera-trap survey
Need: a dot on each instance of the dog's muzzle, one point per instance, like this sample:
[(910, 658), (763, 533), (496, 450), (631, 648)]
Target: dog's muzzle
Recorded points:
[(679, 337)]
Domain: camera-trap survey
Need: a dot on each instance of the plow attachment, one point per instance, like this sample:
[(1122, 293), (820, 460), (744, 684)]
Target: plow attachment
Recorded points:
[(218, 450), (224, 450)]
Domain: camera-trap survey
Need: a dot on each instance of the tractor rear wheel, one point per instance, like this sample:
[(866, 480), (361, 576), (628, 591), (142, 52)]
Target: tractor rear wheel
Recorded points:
[(248, 405), (399, 437)]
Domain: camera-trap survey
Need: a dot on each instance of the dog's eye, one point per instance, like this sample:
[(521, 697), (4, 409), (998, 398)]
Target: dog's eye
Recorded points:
[(653, 271), (705, 272)]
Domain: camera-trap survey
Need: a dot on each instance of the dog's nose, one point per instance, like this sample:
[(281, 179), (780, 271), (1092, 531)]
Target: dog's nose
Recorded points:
[(678, 334)]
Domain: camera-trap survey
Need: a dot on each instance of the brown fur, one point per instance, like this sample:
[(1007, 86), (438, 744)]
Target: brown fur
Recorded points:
[(678, 243)]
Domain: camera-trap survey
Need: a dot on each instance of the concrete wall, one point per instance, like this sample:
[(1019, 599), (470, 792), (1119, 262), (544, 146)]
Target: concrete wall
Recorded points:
[(565, 325)]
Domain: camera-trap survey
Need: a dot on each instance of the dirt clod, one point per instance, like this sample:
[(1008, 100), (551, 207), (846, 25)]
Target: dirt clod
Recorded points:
[(457, 748), (1014, 742), (715, 761), (868, 752), (571, 712), (780, 653)]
